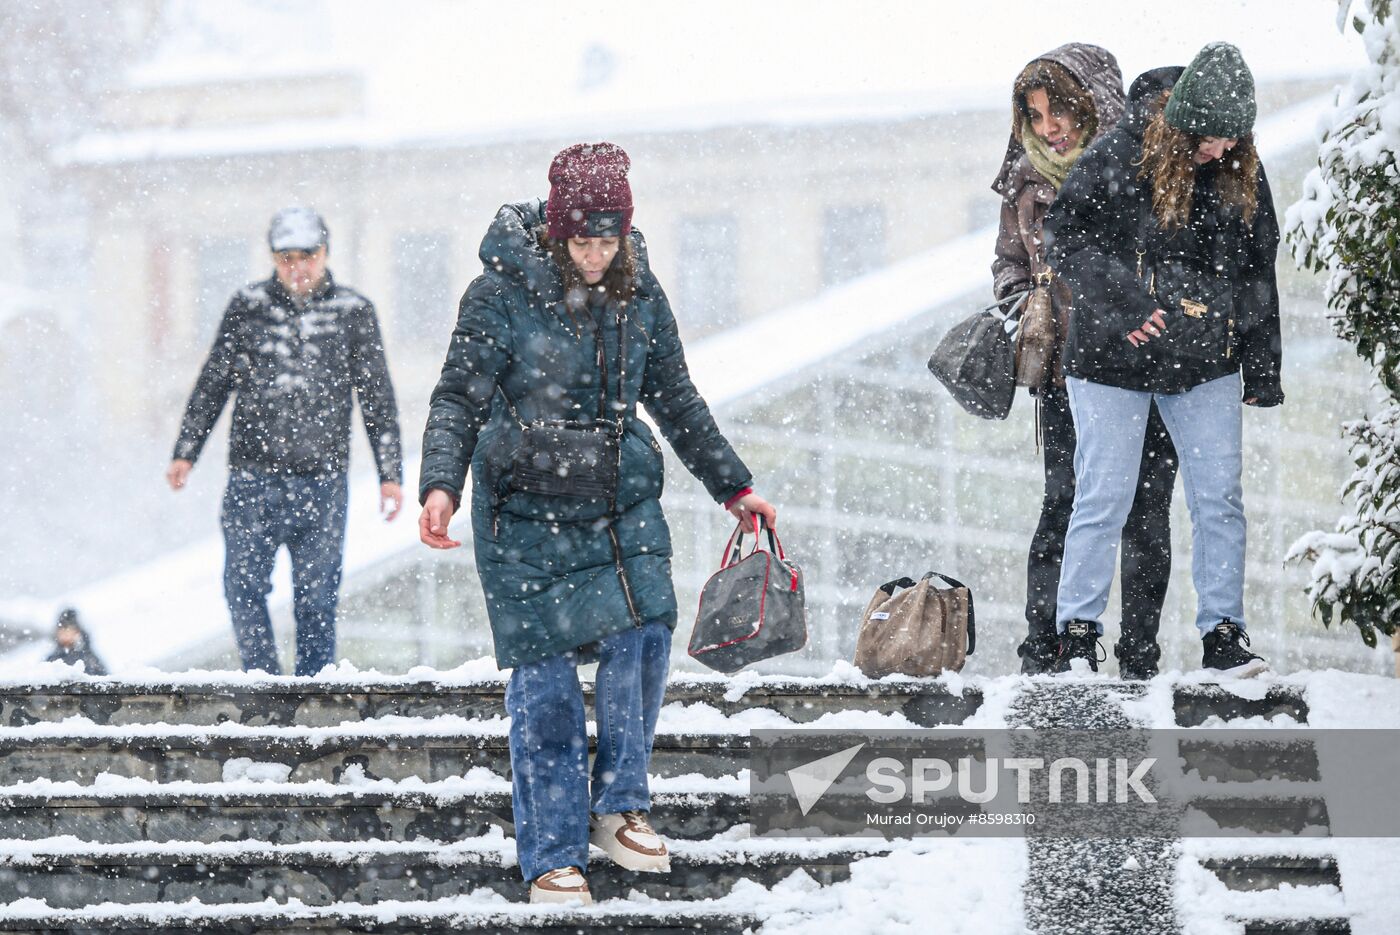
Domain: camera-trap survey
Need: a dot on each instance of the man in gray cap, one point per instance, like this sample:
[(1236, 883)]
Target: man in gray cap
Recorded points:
[(292, 348)]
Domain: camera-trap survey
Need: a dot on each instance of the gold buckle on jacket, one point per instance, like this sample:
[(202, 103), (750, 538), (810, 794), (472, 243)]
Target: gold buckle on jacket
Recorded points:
[(1194, 309), (1045, 277)]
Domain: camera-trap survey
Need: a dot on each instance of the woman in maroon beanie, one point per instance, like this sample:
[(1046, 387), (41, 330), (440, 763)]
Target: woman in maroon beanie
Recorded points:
[(556, 343)]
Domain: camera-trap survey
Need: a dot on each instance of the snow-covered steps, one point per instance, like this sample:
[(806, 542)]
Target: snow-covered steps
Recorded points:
[(317, 702), (486, 913), (1271, 871), (283, 813), (1194, 704), (70, 873)]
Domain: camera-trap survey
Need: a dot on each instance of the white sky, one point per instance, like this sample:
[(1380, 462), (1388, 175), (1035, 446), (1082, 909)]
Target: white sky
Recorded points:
[(446, 62)]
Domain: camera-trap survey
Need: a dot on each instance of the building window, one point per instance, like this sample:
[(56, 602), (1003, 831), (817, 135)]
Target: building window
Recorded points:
[(221, 267), (707, 287), (853, 241), (424, 309)]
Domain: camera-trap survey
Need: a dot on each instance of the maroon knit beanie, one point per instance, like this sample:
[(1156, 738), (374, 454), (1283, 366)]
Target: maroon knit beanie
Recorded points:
[(588, 192)]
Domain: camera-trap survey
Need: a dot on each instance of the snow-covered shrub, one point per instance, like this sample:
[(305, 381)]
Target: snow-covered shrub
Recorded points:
[(1348, 224)]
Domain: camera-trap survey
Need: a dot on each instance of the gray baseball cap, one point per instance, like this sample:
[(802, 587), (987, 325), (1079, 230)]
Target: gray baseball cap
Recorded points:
[(297, 228)]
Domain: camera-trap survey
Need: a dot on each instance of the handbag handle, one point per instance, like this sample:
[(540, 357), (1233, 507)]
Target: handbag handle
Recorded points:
[(890, 586), (734, 548), (1017, 299)]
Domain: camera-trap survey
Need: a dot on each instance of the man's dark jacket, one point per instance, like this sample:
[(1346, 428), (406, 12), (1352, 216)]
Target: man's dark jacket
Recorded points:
[(293, 370), (1093, 231)]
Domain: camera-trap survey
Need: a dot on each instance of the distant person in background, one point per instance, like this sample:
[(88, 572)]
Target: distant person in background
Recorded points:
[(1060, 103), (1166, 234), (71, 645), (293, 348)]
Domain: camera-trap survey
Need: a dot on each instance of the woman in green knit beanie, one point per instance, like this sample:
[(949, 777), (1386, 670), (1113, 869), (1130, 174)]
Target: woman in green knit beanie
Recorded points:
[(1166, 235)]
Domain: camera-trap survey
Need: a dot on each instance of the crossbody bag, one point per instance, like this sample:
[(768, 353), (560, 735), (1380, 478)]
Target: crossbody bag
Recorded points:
[(566, 458)]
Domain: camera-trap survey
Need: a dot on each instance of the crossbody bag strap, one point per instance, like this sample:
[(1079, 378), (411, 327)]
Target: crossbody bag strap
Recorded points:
[(971, 611)]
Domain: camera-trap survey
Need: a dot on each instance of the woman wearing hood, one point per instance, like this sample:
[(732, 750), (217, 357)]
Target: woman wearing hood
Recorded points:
[(556, 343), (1060, 103), (1167, 237)]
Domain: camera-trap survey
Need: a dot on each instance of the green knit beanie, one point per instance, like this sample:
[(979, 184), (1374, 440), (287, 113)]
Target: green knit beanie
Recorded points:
[(1215, 95)]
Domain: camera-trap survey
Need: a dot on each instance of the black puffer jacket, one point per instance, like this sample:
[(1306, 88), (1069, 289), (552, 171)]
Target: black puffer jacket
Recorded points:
[(293, 370), (1092, 233)]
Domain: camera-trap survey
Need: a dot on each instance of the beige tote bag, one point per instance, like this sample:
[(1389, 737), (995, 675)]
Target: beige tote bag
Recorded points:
[(914, 628)]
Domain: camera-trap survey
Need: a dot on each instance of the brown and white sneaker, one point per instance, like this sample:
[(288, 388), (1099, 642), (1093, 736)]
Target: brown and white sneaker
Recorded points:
[(630, 841), (563, 885)]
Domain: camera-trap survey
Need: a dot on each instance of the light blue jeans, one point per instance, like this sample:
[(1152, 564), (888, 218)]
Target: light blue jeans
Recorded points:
[(549, 743), (1205, 425)]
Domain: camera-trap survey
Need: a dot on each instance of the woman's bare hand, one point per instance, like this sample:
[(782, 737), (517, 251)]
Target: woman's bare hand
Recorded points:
[(750, 504), (432, 524)]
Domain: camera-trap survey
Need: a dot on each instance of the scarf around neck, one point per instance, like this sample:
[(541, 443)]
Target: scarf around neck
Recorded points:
[(1054, 166)]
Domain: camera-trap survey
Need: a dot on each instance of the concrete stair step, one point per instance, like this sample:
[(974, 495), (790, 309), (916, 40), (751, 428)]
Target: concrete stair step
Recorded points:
[(1272, 871), (1195, 703), (74, 874), (315, 703), (407, 750), (1265, 814), (1331, 926), (296, 817), (442, 917), (286, 701)]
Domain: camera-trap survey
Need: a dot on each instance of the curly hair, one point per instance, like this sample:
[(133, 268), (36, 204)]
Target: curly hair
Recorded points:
[(619, 282), (1063, 91), (1168, 163)]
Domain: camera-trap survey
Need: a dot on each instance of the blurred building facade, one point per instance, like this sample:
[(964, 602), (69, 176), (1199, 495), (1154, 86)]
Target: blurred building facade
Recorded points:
[(740, 217), (878, 474)]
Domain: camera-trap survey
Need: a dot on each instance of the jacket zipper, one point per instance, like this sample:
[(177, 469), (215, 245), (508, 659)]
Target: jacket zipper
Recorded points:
[(622, 576)]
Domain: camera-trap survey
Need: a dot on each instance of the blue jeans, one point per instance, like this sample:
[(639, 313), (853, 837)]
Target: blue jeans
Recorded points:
[(1205, 425), (262, 512), (549, 744)]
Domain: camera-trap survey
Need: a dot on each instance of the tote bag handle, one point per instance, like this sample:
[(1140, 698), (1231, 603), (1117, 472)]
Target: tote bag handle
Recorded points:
[(890, 586), (734, 548)]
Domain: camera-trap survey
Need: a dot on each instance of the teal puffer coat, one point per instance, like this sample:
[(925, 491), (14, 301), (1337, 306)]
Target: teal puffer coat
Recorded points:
[(563, 572)]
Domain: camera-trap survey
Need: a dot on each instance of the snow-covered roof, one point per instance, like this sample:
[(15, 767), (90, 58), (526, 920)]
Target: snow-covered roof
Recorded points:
[(444, 72)]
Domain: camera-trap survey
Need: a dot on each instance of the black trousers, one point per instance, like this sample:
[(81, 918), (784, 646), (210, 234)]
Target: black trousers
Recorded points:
[(1146, 554)]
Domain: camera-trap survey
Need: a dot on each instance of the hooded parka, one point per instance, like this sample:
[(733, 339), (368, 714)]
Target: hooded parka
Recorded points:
[(562, 572), (1093, 230), (1026, 194)]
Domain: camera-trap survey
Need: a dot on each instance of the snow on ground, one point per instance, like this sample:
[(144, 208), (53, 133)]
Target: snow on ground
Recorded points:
[(977, 886), (979, 882)]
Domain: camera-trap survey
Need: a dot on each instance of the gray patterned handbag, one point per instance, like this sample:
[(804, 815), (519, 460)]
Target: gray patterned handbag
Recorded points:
[(753, 608), (975, 361)]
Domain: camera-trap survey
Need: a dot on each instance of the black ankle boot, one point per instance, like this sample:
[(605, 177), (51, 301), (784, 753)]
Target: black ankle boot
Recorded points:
[(1136, 661), (1079, 641), (1223, 651), (1038, 651)]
